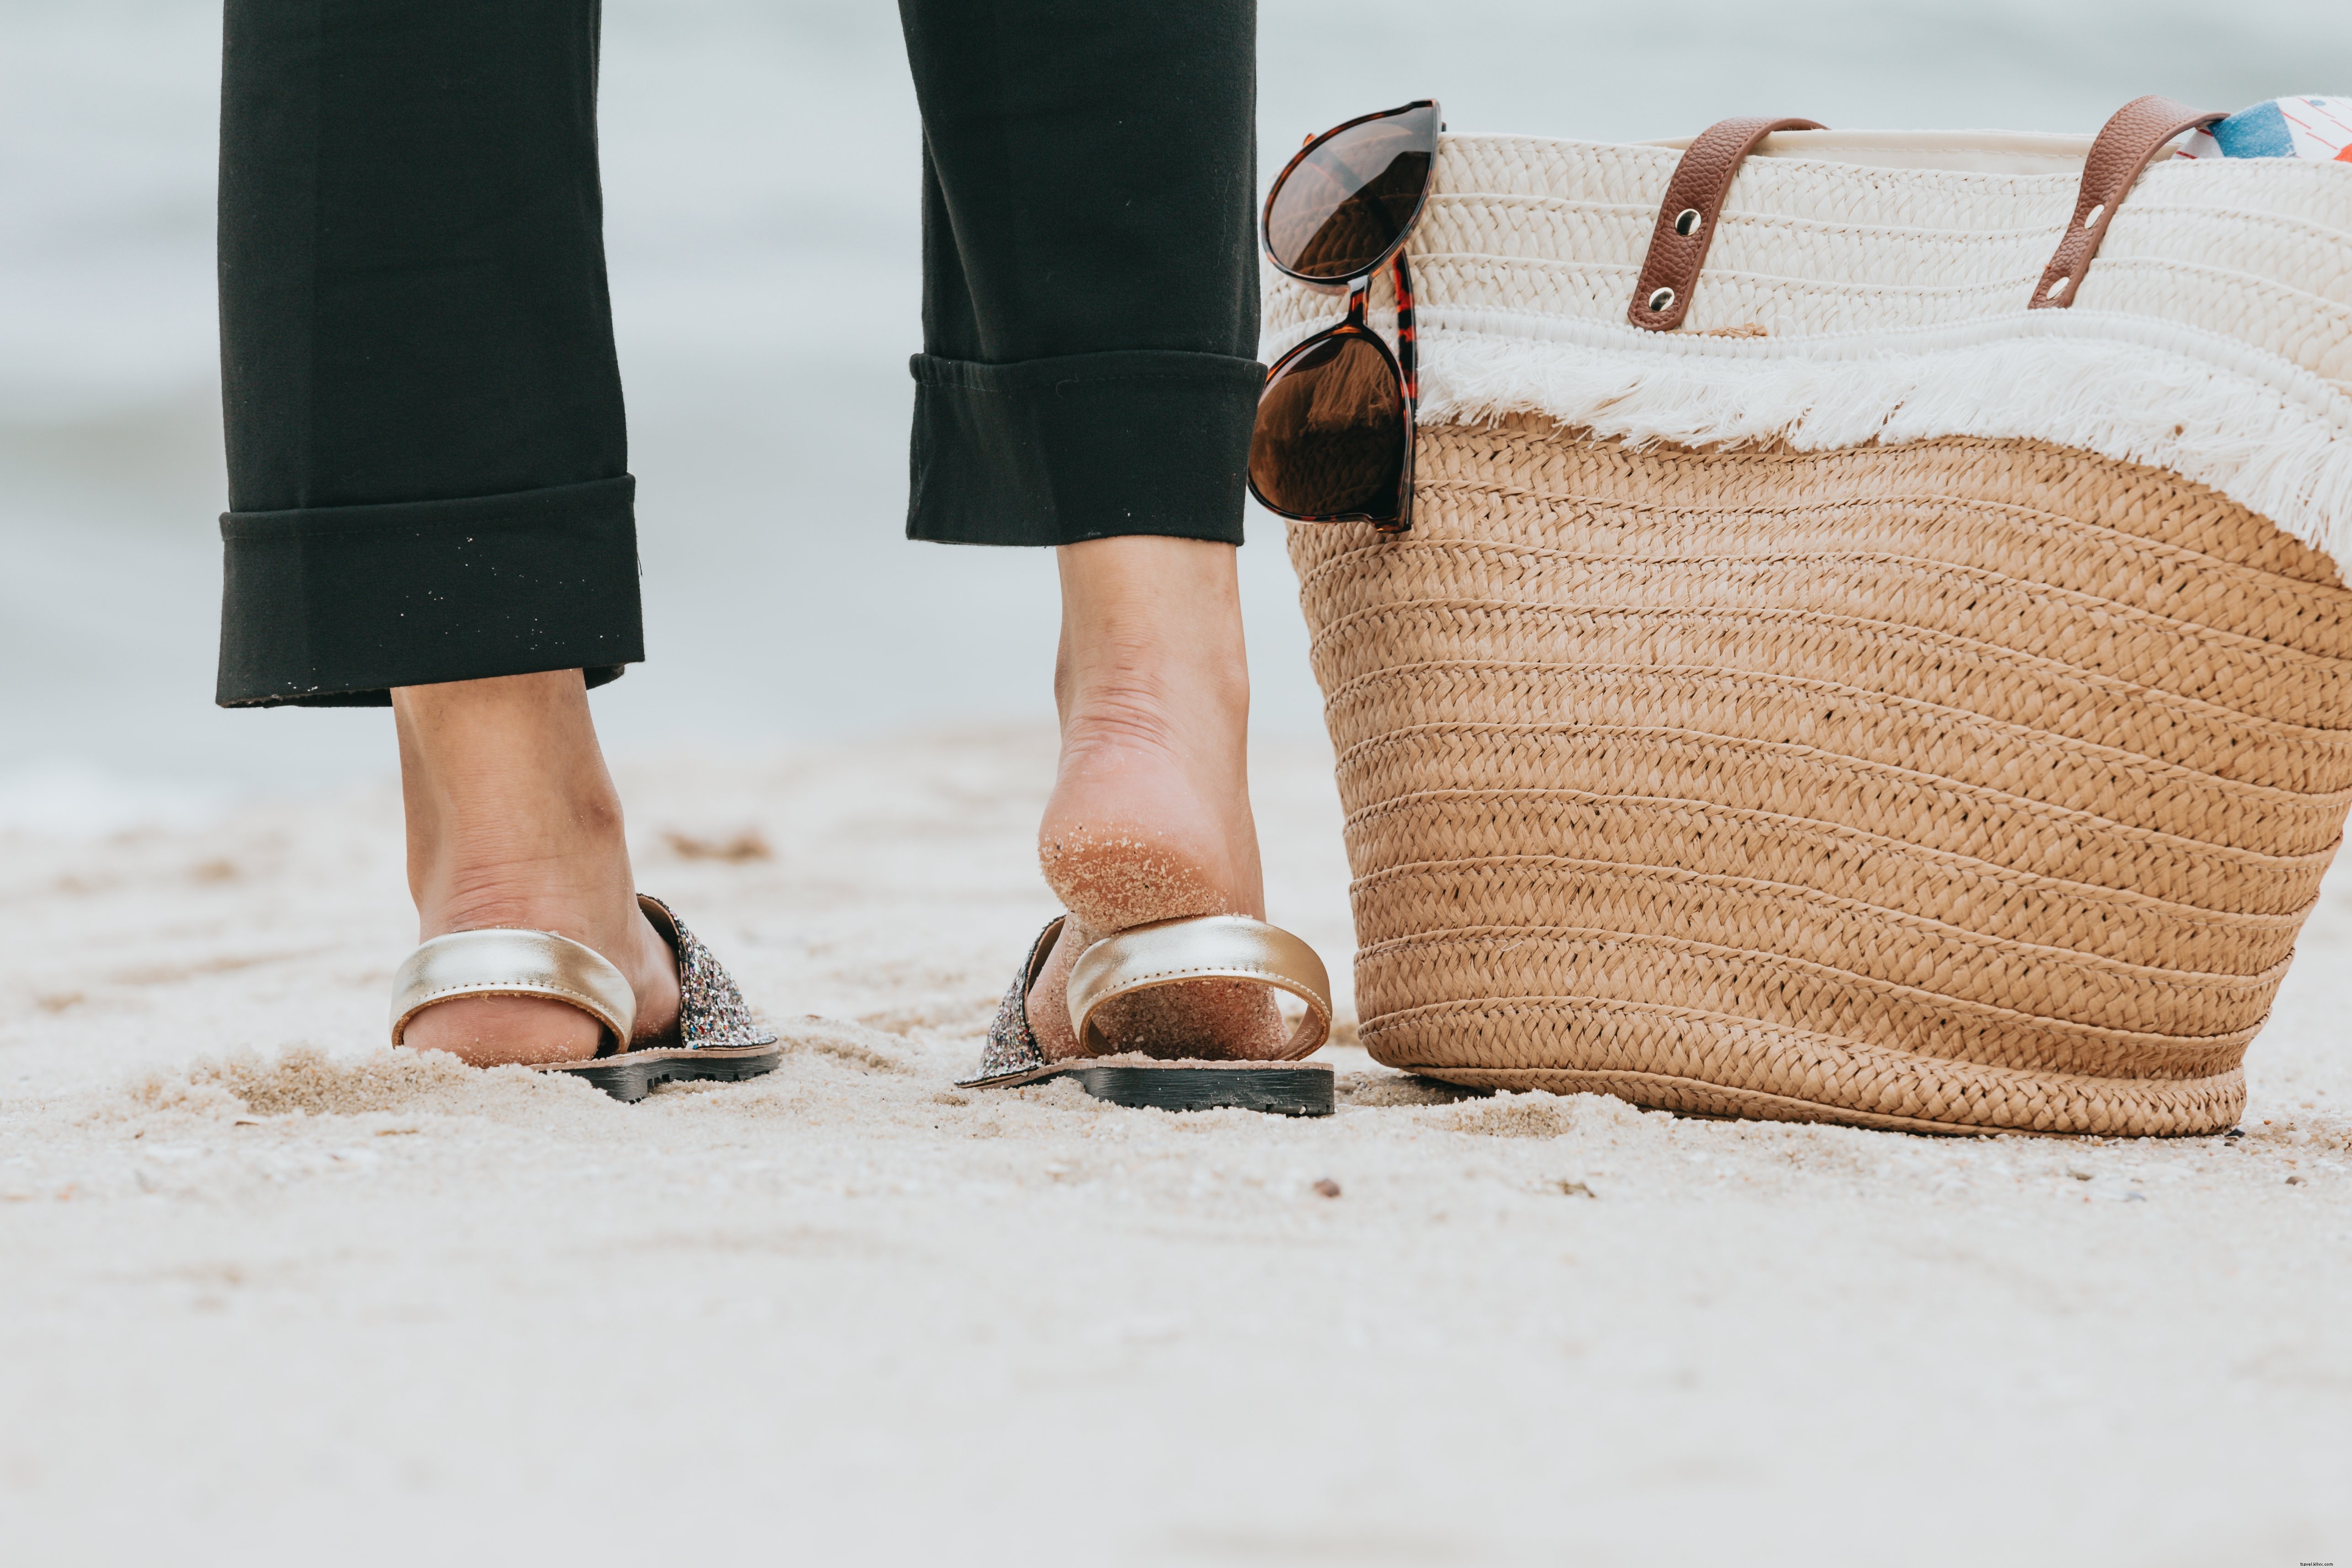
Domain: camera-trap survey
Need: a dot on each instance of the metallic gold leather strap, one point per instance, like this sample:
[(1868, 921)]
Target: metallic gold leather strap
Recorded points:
[(1205, 947), (510, 963)]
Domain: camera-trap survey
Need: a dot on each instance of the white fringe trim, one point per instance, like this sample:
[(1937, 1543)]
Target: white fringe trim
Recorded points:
[(2265, 433)]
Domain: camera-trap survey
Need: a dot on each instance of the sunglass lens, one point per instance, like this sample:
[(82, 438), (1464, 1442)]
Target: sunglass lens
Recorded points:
[(1345, 203), (1331, 436)]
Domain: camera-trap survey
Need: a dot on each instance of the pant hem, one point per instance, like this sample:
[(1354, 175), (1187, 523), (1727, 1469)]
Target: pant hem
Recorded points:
[(333, 606), (1081, 447)]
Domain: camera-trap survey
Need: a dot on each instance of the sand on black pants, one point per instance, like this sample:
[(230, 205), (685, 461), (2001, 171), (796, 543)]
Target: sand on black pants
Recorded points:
[(427, 457)]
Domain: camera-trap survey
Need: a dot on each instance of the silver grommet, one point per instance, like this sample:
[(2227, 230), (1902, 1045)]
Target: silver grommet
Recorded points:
[(1662, 299), (2092, 216), (2058, 289), (1686, 221)]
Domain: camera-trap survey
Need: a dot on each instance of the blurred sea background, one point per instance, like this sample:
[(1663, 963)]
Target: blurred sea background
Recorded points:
[(760, 176)]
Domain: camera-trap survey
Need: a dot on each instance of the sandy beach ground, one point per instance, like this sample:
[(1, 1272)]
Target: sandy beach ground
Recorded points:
[(270, 1294)]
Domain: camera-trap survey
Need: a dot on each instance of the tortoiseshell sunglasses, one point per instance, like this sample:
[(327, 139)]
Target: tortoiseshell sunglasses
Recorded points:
[(1333, 440)]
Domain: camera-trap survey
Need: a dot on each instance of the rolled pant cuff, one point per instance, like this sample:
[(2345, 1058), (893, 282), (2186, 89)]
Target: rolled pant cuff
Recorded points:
[(332, 606), (1082, 446)]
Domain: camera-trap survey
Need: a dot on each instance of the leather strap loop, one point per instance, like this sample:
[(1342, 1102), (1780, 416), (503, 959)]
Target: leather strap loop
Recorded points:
[(2127, 144), (1685, 229), (1201, 947)]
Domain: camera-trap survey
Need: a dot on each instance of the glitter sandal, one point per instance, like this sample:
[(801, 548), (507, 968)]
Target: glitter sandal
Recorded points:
[(718, 1038), (1171, 953)]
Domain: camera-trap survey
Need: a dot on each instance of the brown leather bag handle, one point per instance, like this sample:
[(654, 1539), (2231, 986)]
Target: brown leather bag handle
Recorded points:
[(2127, 145), (1678, 245)]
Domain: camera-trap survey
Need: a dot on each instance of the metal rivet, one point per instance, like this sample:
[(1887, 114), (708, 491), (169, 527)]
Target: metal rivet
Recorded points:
[(2057, 288), (1662, 298), (1686, 221), (2092, 216)]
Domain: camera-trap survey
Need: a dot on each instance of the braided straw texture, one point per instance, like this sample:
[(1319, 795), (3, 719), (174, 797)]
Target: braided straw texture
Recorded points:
[(1843, 304), (1956, 784)]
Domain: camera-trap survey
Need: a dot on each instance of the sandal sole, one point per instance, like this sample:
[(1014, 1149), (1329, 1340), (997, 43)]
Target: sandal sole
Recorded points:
[(1275, 1090), (631, 1078)]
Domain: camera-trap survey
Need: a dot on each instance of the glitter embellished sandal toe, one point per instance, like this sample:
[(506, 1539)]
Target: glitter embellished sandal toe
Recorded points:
[(716, 1037), (1171, 953)]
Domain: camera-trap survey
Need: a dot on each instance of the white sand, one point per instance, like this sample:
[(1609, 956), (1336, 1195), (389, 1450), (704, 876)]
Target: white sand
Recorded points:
[(340, 1306)]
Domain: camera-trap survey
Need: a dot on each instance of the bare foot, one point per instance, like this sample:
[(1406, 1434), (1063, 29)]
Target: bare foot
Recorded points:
[(513, 822), (1149, 818)]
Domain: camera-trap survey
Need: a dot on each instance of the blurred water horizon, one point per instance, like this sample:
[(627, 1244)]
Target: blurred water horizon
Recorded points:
[(761, 170)]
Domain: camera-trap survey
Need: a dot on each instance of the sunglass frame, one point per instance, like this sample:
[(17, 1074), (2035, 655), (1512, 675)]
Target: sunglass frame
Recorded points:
[(1404, 362), (1273, 191), (1404, 368)]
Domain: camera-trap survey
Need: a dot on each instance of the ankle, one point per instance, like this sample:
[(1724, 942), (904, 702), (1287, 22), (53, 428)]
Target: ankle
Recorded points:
[(512, 817), (1186, 723), (1149, 626), (1151, 688), (502, 779), (569, 900), (513, 822)]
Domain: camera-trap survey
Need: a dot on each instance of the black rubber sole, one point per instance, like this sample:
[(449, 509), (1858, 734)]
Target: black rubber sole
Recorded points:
[(632, 1077), (1275, 1090)]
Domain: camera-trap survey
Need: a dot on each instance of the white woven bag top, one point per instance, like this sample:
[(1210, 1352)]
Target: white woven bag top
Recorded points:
[(1849, 298)]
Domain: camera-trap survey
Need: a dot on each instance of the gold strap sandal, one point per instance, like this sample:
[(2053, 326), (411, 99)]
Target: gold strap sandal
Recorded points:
[(1171, 953), (718, 1038)]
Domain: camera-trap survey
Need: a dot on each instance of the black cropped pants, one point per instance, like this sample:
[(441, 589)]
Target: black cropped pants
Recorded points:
[(427, 459)]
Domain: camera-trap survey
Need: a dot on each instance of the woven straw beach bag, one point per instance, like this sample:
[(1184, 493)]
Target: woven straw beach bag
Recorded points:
[(1872, 645)]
